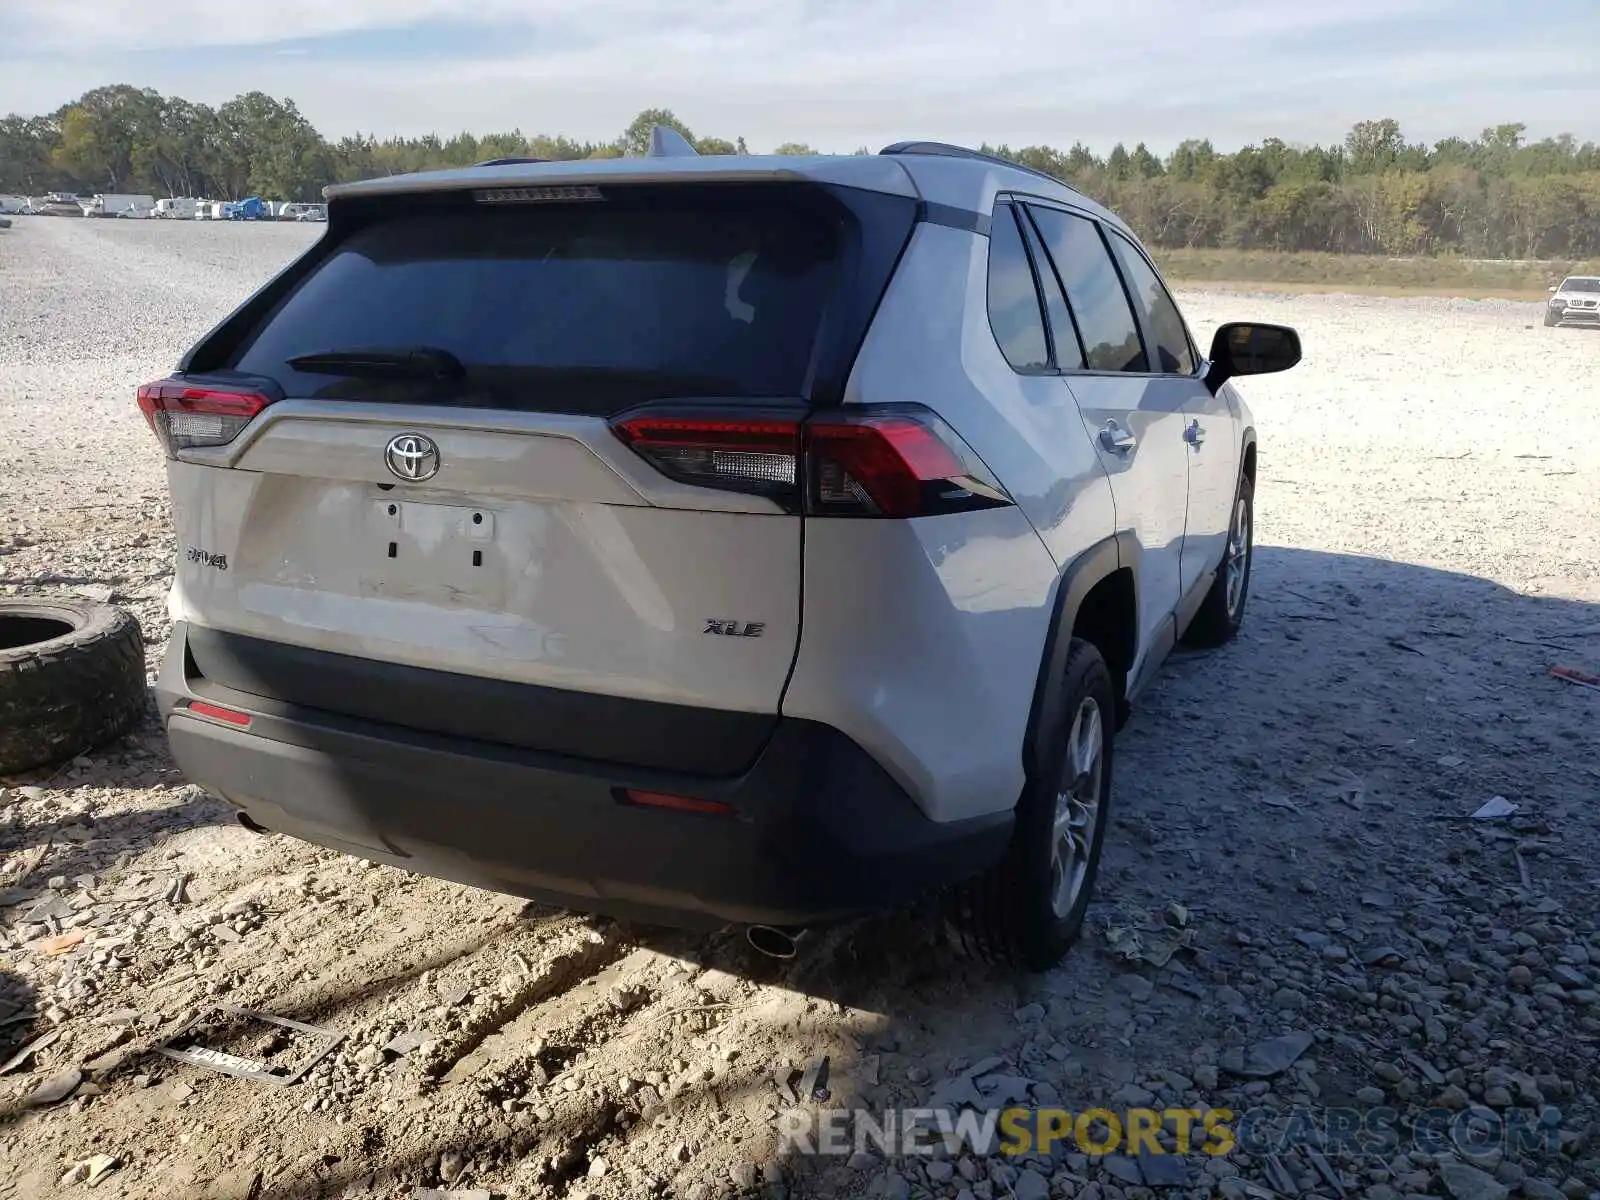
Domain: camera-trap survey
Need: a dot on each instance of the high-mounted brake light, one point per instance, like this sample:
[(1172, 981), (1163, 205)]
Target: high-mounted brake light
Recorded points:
[(899, 461), (537, 195), (184, 415)]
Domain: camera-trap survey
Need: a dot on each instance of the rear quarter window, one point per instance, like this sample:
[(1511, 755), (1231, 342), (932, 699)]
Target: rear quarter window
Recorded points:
[(1014, 312), (580, 308)]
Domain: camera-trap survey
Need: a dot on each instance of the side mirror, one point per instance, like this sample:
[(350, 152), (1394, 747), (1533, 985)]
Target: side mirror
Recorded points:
[(1247, 348), (1553, 291)]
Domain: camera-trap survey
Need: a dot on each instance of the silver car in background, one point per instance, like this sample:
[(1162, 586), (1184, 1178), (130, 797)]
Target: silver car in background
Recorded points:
[(1575, 302)]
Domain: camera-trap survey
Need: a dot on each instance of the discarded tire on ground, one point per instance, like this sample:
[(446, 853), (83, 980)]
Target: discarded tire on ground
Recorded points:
[(71, 678)]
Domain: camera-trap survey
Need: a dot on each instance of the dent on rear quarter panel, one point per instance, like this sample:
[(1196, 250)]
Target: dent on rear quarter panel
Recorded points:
[(922, 641)]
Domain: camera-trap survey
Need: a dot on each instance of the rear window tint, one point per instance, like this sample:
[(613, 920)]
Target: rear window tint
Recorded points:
[(582, 309)]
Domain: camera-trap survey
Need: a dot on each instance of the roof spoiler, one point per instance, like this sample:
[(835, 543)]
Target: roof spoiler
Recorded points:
[(669, 143), (946, 150)]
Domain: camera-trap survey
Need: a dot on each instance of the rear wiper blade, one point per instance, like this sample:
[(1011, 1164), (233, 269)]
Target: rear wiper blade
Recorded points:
[(383, 362)]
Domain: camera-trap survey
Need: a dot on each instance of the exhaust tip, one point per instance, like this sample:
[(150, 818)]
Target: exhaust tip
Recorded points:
[(774, 942)]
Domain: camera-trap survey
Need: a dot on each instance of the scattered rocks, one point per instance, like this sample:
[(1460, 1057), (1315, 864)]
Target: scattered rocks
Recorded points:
[(1030, 1185), (55, 1088), (1268, 1058), (90, 1170), (451, 1165), (1123, 1169), (1164, 1170), (1469, 1183)]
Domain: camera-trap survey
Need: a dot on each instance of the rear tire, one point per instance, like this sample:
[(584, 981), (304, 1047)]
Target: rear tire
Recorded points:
[(1028, 910), (71, 678), (1222, 611)]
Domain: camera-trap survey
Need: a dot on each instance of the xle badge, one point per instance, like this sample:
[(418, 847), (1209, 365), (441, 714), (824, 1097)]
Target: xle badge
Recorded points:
[(734, 628)]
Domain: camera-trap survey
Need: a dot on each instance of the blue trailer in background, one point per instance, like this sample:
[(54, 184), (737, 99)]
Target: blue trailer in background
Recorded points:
[(251, 209)]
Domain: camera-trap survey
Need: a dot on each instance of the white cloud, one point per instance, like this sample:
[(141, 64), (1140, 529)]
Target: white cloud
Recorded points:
[(836, 72)]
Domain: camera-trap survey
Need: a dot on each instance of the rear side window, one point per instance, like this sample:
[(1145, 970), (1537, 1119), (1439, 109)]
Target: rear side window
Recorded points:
[(1014, 312), (581, 309), (1063, 331), (1094, 289), (1174, 354)]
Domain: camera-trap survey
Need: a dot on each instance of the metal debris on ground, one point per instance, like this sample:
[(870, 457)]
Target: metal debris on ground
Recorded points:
[(1494, 809), (1140, 937), (1573, 675), (256, 1070)]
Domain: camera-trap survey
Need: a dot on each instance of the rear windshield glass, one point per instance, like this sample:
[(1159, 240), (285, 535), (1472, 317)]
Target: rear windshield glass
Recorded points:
[(582, 309), (1581, 285)]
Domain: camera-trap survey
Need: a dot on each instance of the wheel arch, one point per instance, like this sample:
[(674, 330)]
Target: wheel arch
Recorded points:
[(1247, 459), (1097, 600)]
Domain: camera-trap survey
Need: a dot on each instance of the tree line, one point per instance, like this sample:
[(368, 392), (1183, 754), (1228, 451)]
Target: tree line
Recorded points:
[(1498, 195)]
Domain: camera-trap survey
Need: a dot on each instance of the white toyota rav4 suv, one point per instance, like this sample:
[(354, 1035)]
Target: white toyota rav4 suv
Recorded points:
[(704, 539)]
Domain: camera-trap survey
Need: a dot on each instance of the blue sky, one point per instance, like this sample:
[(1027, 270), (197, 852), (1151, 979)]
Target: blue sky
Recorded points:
[(840, 73)]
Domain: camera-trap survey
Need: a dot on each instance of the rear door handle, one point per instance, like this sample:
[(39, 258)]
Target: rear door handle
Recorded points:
[(1194, 435), (1117, 439)]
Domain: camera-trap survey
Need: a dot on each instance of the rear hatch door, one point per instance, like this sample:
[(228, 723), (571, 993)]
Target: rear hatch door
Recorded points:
[(458, 505)]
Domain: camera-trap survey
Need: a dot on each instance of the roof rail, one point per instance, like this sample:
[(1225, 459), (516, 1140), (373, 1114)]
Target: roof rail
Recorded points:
[(509, 161), (946, 150)]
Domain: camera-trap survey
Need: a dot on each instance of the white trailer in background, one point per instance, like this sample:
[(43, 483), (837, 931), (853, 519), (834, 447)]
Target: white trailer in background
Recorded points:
[(177, 208), (119, 204)]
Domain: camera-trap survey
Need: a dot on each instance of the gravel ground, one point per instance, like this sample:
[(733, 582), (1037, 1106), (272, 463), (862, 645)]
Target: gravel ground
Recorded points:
[(1298, 914)]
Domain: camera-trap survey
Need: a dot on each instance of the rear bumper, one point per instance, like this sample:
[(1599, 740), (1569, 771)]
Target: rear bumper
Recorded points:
[(820, 830)]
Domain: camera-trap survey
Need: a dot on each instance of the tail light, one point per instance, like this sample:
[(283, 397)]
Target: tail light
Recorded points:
[(185, 416), (872, 462)]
